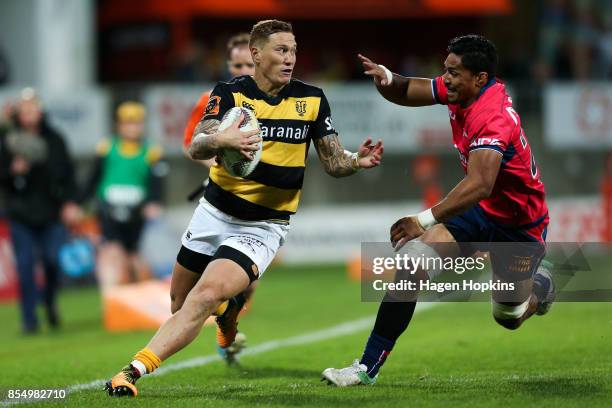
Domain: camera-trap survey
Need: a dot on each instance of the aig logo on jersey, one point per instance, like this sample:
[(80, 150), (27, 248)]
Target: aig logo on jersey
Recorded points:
[(300, 107)]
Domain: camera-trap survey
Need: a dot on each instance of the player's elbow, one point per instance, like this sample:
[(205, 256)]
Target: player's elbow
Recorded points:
[(192, 152), (187, 151), (333, 173), (483, 188), (195, 152), (337, 172), (484, 192)]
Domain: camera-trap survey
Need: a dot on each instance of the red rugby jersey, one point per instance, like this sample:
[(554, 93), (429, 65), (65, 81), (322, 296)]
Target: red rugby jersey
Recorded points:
[(518, 198)]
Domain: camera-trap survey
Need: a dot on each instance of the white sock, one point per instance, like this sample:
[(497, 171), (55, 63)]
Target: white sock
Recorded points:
[(140, 367)]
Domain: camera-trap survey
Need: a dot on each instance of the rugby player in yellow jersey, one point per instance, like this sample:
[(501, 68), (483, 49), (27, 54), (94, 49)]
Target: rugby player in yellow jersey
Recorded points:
[(229, 342), (241, 222)]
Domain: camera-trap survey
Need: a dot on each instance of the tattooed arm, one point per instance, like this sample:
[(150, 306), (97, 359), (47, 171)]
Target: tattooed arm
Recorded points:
[(336, 161), (207, 140), (204, 144), (341, 163)]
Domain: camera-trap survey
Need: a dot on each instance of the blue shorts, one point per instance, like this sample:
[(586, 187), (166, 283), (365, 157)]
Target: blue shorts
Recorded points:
[(473, 231)]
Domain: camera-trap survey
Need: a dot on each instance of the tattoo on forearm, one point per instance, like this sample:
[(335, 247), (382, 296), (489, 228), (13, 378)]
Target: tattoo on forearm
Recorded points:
[(201, 147), (208, 126), (331, 153)]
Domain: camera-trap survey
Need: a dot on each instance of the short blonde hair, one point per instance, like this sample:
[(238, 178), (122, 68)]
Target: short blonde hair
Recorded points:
[(131, 111), (264, 29)]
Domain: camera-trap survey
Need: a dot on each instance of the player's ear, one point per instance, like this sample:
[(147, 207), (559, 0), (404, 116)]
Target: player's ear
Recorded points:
[(256, 55), (481, 79)]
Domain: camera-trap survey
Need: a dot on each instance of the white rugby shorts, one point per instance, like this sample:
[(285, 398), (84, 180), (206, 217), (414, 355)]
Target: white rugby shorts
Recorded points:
[(211, 228)]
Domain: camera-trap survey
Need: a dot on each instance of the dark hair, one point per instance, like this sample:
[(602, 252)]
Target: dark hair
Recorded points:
[(237, 40), (264, 29), (477, 53)]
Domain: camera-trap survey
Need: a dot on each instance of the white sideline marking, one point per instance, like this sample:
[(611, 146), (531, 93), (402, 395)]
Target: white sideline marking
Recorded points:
[(342, 329)]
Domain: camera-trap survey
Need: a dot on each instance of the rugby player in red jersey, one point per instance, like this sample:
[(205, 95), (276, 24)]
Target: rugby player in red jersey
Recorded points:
[(500, 199)]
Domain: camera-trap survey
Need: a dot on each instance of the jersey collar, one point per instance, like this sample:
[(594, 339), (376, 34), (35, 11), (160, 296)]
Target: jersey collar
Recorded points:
[(489, 84), (271, 100)]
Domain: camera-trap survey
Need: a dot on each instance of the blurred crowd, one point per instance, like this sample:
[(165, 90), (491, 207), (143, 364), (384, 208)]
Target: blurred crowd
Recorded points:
[(575, 40), (47, 210)]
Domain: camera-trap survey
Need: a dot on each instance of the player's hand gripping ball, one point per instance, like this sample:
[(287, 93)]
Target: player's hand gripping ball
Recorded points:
[(233, 160)]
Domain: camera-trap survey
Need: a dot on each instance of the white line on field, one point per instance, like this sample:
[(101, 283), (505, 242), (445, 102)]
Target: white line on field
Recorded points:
[(343, 329)]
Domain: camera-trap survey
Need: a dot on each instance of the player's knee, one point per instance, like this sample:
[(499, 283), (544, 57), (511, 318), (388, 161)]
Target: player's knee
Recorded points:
[(509, 315), (209, 295)]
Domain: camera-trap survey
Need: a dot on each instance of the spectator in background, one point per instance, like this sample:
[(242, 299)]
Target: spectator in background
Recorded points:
[(574, 40), (37, 176), (126, 181), (189, 65)]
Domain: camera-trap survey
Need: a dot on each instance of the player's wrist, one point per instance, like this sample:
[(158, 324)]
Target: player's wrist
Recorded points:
[(426, 219), (216, 141), (388, 75), (354, 157), (205, 139)]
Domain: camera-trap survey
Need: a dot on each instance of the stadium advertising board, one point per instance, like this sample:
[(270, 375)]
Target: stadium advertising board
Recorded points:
[(578, 115)]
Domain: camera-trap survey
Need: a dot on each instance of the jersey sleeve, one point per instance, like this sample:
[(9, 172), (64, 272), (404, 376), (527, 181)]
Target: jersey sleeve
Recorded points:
[(194, 118), (439, 91), (323, 125), (493, 134), (220, 101)]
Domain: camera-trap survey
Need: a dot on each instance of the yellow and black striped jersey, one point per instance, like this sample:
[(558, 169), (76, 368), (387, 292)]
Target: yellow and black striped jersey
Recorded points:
[(288, 121)]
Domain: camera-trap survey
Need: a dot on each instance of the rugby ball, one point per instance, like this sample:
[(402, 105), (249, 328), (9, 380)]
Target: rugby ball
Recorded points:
[(234, 162)]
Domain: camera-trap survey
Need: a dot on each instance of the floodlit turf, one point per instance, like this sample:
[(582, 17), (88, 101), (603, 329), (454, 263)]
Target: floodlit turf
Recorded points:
[(452, 355)]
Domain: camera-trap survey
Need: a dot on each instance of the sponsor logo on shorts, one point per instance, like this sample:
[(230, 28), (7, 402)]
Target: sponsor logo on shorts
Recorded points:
[(250, 243)]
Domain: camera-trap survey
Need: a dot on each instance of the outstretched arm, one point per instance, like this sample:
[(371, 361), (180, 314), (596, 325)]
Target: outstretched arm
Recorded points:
[(400, 90), (341, 163)]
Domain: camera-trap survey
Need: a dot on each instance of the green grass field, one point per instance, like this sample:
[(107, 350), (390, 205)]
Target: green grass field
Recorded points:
[(452, 354)]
